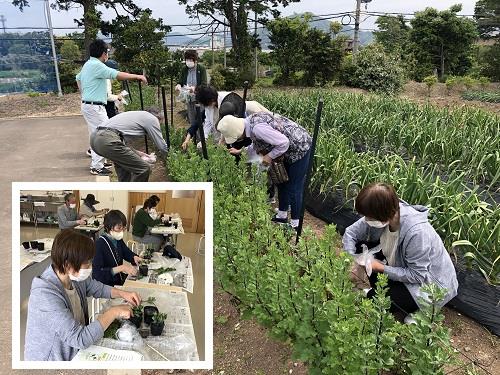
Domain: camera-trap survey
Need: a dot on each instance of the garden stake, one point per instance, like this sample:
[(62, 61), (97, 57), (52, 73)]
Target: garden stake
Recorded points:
[(172, 101), (309, 167), (142, 109), (128, 90), (165, 116)]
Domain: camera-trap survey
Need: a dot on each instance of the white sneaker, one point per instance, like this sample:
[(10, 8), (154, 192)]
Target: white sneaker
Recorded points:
[(409, 320)]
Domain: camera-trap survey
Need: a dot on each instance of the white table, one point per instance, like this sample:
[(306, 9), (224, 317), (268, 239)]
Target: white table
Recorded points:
[(178, 326), (91, 230), (169, 231), (183, 274)]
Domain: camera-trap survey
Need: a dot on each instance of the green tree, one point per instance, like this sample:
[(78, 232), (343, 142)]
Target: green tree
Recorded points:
[(234, 14), (287, 44), (91, 19), (393, 33), (442, 40), (139, 43), (487, 16), (70, 50), (216, 56), (19, 48)]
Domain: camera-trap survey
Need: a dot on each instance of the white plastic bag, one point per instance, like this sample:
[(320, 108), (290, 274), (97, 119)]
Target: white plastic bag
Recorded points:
[(366, 257), (151, 158), (128, 333), (124, 93)]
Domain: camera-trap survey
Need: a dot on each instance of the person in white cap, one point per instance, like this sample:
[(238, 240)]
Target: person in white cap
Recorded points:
[(275, 136)]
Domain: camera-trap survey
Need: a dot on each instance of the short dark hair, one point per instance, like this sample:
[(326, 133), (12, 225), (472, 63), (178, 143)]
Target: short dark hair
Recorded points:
[(377, 201), (71, 249), (206, 94), (97, 48), (191, 54), (112, 218), (156, 112), (149, 203), (155, 197), (68, 196)]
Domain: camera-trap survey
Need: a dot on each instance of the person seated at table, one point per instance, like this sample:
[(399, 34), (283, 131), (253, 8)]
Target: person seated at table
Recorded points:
[(87, 209), (67, 217), (414, 253), (111, 250), (145, 219), (58, 323)]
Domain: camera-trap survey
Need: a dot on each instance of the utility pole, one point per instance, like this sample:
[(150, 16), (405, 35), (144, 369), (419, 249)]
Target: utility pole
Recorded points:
[(225, 53), (355, 43), (213, 53), (51, 33), (2, 20)]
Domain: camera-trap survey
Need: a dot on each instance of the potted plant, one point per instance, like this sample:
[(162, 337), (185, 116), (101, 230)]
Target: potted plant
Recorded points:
[(40, 246), (34, 244), (168, 223), (158, 324), (136, 318), (143, 269), (149, 310), (96, 223)]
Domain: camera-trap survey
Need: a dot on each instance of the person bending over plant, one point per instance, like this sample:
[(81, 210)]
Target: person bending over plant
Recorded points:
[(58, 320), (412, 253)]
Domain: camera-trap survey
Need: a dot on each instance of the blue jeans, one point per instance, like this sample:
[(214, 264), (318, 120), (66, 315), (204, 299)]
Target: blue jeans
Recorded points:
[(290, 193)]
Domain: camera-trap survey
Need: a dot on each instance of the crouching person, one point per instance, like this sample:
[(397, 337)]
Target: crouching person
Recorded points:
[(58, 320), (413, 252), (110, 138)]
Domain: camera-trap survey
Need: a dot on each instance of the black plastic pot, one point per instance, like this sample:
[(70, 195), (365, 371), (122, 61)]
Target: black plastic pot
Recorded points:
[(136, 320), (176, 225), (168, 224), (41, 246), (96, 223), (157, 328), (144, 332), (34, 244), (26, 245), (143, 270), (149, 311)]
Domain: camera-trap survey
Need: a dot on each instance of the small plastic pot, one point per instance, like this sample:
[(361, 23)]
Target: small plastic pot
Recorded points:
[(168, 224), (41, 246), (149, 311), (143, 269), (176, 225), (96, 223), (136, 320), (26, 245), (34, 244), (157, 328)]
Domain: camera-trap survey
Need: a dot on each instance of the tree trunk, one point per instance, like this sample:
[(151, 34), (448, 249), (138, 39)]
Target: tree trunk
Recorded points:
[(442, 60), (90, 23)]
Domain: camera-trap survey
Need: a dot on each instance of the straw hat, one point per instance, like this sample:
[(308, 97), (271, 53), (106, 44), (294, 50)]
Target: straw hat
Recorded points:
[(231, 128)]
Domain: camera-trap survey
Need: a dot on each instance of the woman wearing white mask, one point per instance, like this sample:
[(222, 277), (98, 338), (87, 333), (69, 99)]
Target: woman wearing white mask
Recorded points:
[(192, 75), (67, 216), (144, 219), (58, 318), (111, 250), (413, 252)]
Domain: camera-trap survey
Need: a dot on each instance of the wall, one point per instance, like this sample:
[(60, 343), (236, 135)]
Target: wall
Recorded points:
[(112, 199)]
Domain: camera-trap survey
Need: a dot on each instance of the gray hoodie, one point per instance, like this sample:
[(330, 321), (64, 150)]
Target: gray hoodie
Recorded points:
[(421, 257), (52, 333)]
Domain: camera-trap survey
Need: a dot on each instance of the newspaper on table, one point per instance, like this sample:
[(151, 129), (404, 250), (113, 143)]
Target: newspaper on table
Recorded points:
[(183, 274), (176, 343), (30, 256), (101, 353)]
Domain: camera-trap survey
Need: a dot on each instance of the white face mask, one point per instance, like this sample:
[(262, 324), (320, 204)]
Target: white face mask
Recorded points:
[(376, 223), (72, 205), (116, 235), (190, 63), (83, 274), (153, 215)]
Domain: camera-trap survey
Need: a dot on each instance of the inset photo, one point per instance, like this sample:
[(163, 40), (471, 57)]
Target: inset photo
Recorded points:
[(112, 276)]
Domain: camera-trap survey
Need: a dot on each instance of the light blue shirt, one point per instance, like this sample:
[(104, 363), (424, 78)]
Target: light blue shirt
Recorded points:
[(93, 78)]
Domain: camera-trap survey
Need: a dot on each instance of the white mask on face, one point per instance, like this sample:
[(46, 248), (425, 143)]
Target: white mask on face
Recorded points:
[(190, 63), (153, 215), (376, 223), (83, 274), (116, 235), (72, 205)]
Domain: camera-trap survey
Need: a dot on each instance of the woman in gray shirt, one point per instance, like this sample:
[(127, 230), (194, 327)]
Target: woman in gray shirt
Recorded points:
[(58, 319)]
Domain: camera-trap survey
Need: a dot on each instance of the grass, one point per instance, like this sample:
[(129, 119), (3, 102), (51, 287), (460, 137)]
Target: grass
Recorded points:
[(482, 96)]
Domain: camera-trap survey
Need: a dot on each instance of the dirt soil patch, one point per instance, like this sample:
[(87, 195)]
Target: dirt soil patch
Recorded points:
[(42, 105)]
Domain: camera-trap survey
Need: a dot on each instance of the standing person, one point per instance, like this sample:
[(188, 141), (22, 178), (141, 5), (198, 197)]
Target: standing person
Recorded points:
[(109, 141), (111, 108), (58, 323), (192, 75), (111, 250), (274, 137), (146, 218), (67, 217), (87, 209), (414, 252), (92, 83)]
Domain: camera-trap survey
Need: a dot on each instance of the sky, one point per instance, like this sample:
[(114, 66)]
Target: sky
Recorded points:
[(173, 13)]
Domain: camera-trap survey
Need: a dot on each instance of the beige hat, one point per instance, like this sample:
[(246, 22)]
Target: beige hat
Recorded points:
[(231, 128)]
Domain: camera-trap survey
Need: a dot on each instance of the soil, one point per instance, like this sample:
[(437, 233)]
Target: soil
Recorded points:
[(42, 105)]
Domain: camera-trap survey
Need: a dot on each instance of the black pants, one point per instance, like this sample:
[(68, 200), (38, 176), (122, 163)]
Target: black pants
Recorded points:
[(401, 299)]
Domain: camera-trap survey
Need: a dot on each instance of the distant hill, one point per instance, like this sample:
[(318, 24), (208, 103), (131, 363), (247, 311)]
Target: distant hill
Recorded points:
[(365, 37)]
